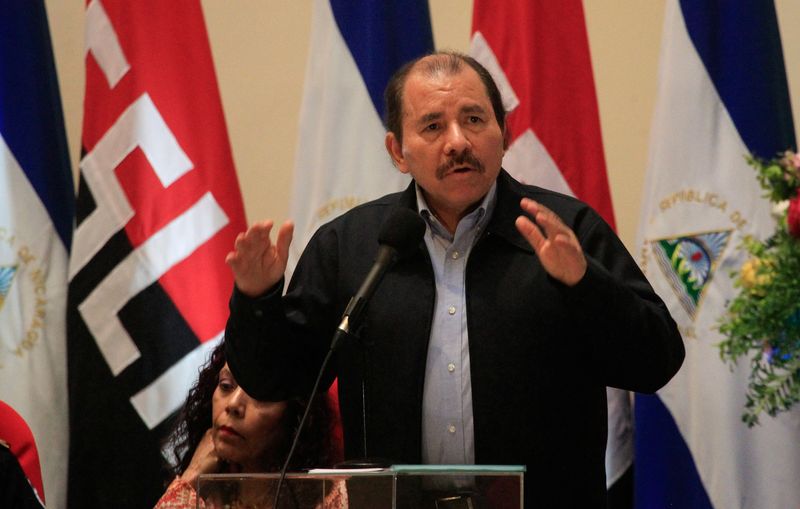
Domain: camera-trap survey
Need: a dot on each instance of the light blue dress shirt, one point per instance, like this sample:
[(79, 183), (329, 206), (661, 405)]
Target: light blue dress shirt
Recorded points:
[(447, 422)]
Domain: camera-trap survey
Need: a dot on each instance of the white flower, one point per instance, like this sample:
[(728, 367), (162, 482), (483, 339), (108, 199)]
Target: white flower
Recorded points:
[(779, 209)]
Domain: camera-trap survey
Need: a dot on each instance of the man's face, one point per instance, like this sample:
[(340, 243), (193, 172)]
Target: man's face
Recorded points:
[(452, 143)]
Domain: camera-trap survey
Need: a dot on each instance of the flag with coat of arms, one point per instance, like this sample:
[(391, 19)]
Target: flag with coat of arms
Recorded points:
[(36, 215), (722, 94)]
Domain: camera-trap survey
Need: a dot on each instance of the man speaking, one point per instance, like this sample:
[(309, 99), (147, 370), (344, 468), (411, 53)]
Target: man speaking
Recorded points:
[(492, 339)]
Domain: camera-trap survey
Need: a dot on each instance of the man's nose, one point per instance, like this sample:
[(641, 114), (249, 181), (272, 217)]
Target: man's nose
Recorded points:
[(456, 141)]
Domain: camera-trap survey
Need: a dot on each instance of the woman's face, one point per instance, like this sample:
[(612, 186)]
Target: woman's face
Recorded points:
[(246, 431)]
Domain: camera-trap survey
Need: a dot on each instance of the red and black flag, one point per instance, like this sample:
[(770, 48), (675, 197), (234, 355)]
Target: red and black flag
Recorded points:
[(158, 208)]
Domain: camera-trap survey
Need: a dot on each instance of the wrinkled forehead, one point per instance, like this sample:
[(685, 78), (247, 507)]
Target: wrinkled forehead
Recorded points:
[(425, 90)]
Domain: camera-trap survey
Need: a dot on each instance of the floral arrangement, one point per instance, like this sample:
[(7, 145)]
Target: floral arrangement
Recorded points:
[(763, 320)]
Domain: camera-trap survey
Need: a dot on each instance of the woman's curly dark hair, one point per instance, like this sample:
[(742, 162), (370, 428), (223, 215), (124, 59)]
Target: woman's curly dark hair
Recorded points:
[(314, 449)]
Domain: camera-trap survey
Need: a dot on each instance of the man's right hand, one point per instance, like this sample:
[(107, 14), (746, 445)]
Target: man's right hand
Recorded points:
[(256, 262)]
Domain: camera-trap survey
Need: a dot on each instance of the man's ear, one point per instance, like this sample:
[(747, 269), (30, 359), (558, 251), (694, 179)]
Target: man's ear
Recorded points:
[(395, 152), (506, 136)]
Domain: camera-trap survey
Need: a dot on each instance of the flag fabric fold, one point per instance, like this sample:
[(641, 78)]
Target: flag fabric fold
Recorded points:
[(341, 160), (538, 53), (36, 215), (158, 208), (722, 94)]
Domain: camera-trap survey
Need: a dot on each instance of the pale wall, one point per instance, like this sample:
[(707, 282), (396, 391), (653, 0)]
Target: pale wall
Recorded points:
[(260, 49)]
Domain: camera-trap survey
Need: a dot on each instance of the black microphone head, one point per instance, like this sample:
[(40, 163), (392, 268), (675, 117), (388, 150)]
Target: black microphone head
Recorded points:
[(402, 231)]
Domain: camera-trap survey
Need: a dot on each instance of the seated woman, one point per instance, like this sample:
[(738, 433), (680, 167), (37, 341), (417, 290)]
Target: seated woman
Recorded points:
[(222, 429)]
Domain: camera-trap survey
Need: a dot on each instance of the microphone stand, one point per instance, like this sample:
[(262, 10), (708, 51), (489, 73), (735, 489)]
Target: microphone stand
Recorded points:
[(400, 234), (301, 425), (354, 308)]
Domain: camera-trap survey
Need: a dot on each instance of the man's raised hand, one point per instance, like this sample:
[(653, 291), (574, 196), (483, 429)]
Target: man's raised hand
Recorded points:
[(553, 241), (258, 263)]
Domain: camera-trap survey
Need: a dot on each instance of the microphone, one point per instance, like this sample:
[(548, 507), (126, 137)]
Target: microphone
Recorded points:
[(399, 237)]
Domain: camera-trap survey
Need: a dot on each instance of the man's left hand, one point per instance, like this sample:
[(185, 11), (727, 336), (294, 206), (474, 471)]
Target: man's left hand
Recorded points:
[(553, 241)]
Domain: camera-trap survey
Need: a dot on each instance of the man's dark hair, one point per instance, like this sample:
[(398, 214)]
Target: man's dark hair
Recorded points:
[(444, 62)]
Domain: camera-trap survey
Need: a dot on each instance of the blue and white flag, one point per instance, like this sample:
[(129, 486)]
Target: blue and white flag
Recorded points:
[(722, 94), (36, 215), (341, 160)]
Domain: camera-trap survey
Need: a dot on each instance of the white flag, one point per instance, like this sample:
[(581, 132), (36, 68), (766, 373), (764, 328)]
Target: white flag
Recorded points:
[(722, 94)]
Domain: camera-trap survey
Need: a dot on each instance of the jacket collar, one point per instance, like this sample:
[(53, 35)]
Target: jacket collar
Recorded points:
[(506, 210)]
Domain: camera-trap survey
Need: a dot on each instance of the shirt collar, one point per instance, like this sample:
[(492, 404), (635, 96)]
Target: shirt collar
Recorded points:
[(477, 219)]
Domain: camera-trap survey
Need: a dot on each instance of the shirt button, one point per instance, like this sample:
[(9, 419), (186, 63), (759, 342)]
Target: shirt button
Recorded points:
[(451, 310), (455, 255), (451, 428), (258, 313), (451, 367)]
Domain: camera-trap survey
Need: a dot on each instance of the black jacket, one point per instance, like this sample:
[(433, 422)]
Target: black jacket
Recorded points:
[(541, 353)]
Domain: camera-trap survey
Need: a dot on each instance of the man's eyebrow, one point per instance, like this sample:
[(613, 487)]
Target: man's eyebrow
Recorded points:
[(429, 117), (473, 108)]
